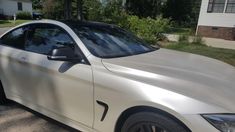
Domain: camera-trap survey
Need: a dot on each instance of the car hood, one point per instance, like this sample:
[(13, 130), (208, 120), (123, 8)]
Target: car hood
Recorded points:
[(204, 79)]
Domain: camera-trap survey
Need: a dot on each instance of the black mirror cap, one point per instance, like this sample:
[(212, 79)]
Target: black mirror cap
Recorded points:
[(64, 54)]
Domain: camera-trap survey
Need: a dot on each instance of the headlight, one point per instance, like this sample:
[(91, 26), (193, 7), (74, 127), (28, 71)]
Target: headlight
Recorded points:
[(223, 122)]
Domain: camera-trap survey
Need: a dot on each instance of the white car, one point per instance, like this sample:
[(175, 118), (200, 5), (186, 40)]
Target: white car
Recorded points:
[(99, 78)]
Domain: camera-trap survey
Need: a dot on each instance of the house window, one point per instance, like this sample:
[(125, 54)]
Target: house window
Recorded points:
[(230, 6), (20, 6), (216, 6)]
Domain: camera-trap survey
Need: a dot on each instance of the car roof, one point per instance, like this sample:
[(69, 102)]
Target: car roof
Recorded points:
[(86, 23), (71, 23)]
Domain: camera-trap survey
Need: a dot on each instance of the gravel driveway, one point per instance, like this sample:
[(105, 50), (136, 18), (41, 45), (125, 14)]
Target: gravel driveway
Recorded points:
[(16, 118)]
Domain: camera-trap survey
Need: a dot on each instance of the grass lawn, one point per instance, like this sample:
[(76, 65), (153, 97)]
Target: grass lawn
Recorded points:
[(181, 31), (10, 23), (225, 55)]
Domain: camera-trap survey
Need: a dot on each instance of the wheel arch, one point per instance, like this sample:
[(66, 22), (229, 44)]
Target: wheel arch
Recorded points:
[(136, 109)]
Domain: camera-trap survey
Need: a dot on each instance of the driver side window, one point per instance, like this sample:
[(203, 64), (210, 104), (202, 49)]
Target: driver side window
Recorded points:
[(42, 38)]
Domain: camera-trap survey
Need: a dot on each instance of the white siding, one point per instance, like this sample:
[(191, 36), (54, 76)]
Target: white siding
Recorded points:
[(215, 19), (10, 7)]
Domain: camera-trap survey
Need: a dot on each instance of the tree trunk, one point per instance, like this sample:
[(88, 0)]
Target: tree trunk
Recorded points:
[(67, 9), (79, 10)]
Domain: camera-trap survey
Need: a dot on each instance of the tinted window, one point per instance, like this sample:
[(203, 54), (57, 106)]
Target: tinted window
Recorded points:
[(43, 38), (15, 38), (110, 41)]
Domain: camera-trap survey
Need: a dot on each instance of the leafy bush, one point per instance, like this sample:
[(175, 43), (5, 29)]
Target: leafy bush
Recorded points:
[(92, 10), (183, 38), (198, 40), (112, 12), (147, 28), (24, 15)]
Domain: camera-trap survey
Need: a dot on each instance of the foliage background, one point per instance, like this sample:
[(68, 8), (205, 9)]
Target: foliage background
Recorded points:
[(145, 18)]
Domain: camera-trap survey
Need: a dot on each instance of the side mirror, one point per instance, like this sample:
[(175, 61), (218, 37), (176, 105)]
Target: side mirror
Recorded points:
[(64, 54)]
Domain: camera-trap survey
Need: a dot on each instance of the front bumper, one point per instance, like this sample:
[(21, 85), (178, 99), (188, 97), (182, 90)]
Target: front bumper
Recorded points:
[(196, 123)]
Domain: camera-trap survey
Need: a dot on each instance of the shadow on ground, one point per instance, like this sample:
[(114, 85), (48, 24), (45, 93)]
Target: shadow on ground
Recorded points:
[(17, 118)]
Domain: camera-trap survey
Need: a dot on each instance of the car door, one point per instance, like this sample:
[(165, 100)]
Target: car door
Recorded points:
[(62, 90), (11, 46)]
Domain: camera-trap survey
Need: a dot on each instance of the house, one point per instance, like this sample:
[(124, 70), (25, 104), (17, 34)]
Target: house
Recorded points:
[(217, 19), (11, 7)]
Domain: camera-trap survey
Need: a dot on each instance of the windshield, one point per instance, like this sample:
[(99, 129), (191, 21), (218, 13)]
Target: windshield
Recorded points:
[(110, 41)]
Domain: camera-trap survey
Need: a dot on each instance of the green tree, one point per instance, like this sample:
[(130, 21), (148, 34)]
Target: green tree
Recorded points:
[(62, 9), (144, 8), (195, 12), (53, 9), (37, 4), (178, 10), (112, 11), (73, 9), (183, 12), (93, 10)]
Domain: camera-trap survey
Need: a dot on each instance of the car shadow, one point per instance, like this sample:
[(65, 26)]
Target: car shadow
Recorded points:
[(11, 105)]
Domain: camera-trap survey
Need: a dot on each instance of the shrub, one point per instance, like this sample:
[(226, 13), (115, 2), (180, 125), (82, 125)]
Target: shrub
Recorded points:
[(198, 40), (92, 10), (24, 15), (147, 28), (183, 39), (112, 12)]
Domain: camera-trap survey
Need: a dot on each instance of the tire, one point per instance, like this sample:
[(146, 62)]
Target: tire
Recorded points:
[(3, 99), (151, 122)]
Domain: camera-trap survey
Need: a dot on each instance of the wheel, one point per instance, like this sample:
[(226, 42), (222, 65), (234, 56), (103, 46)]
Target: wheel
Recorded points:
[(3, 99), (151, 122)]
